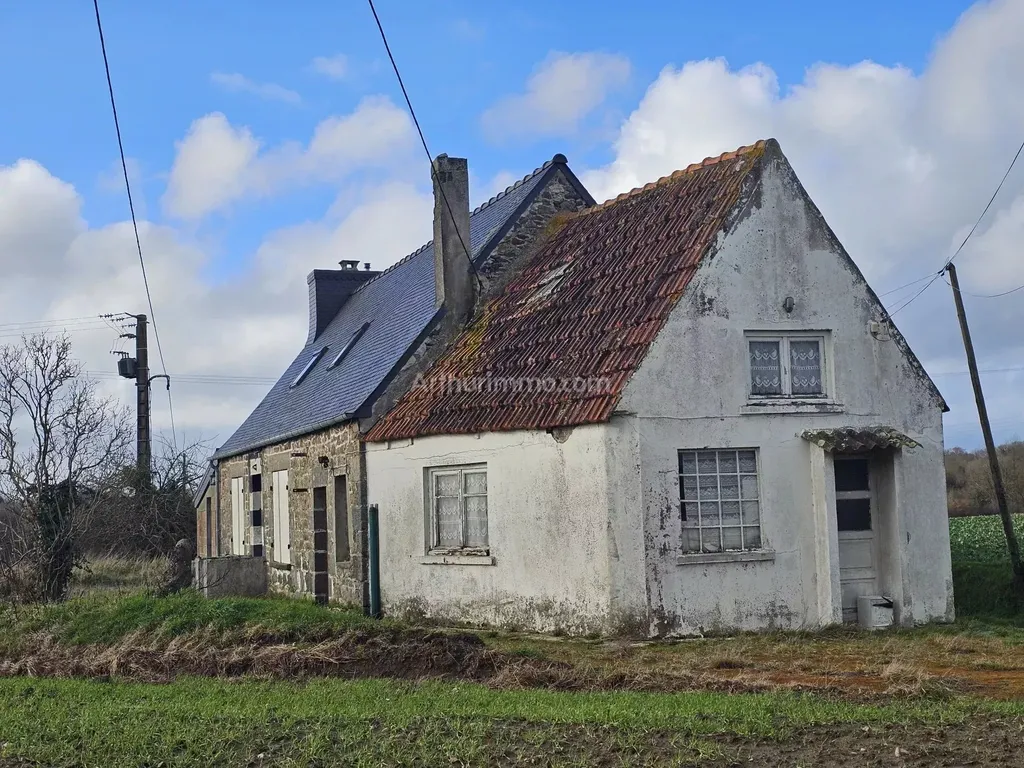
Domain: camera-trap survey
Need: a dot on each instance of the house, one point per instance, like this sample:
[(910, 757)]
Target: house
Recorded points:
[(688, 412), (290, 482)]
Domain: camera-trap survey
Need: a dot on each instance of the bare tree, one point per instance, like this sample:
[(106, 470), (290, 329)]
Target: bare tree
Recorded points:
[(160, 509), (61, 448)]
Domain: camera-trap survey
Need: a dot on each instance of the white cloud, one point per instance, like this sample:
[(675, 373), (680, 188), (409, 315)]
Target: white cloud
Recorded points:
[(468, 31), (248, 323), (900, 163), (561, 92), (218, 164), (238, 83), (212, 167), (335, 67)]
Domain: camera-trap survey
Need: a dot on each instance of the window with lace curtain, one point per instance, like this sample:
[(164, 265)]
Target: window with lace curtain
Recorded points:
[(458, 509), (789, 365)]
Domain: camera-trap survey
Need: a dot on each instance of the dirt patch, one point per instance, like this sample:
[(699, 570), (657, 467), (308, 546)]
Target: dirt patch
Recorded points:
[(416, 654), (975, 742), (409, 655)]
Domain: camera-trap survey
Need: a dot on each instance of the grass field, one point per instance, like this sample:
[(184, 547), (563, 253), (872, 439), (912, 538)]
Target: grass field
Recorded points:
[(981, 567), (375, 722), (269, 682)]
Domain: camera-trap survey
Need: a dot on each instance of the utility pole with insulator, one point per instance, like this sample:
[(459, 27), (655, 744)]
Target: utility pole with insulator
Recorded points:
[(143, 436), (138, 368), (990, 446)]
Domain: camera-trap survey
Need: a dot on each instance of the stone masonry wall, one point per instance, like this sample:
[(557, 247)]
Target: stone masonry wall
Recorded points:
[(301, 458)]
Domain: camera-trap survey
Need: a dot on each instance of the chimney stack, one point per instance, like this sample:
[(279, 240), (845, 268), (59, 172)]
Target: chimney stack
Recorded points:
[(329, 289), (453, 279)]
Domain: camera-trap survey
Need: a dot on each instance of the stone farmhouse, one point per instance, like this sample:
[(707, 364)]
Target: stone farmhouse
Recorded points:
[(678, 411)]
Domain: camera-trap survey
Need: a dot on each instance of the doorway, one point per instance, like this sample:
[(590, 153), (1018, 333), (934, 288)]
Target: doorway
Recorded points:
[(857, 524)]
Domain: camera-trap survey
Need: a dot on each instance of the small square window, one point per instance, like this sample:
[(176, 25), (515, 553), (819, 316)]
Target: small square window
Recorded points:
[(786, 366)]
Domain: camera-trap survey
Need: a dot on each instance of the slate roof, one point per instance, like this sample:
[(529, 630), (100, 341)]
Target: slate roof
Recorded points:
[(399, 307), (580, 318)]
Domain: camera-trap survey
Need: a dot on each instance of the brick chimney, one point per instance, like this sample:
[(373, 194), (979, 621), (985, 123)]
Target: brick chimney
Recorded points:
[(329, 289), (453, 279)]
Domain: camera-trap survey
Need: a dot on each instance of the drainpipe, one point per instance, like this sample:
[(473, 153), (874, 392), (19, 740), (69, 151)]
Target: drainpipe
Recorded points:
[(373, 545)]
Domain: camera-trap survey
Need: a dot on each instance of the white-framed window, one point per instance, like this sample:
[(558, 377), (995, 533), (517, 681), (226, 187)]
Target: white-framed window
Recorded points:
[(787, 365), (458, 508), (719, 500)]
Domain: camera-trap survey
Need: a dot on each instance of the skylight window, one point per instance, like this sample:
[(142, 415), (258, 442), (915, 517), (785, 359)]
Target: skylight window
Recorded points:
[(348, 346), (309, 366)]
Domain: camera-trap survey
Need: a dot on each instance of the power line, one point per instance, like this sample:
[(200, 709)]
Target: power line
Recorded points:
[(957, 252), (913, 298), (987, 206), (906, 285), (983, 370), (199, 379), (985, 295), (423, 140), (135, 225), (54, 321)]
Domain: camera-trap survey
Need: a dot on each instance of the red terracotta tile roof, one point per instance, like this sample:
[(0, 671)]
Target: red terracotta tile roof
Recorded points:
[(557, 347)]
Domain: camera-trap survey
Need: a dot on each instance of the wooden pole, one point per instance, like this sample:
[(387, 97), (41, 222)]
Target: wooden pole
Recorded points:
[(990, 446), (143, 438)]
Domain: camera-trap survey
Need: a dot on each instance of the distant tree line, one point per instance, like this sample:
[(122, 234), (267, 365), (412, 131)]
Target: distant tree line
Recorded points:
[(969, 480)]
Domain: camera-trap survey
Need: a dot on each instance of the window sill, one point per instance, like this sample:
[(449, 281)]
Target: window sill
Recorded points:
[(706, 558), (280, 566), (457, 560), (792, 406)]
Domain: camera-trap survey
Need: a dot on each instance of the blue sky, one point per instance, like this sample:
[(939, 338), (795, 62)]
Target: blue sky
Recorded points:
[(457, 59), (898, 117)]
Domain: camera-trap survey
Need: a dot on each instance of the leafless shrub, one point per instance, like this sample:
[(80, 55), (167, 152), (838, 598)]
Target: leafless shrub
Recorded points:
[(60, 446)]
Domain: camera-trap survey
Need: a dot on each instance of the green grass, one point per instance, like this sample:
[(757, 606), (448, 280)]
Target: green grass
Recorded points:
[(107, 619), (982, 579), (118, 574), (980, 539), (375, 722)]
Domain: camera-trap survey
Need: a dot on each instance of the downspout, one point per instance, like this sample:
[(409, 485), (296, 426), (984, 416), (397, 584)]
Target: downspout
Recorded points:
[(373, 541)]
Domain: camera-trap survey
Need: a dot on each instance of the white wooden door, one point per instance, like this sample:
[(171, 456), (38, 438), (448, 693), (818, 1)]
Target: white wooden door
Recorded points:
[(238, 516), (855, 518), (282, 519)]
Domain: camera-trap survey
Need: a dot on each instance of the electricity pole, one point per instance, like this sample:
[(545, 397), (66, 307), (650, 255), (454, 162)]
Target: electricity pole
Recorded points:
[(143, 436), (990, 446)]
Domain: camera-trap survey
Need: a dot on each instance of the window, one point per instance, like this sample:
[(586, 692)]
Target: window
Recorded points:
[(719, 500), (348, 346), (853, 494), (282, 518), (458, 508), (309, 366), (786, 366)]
